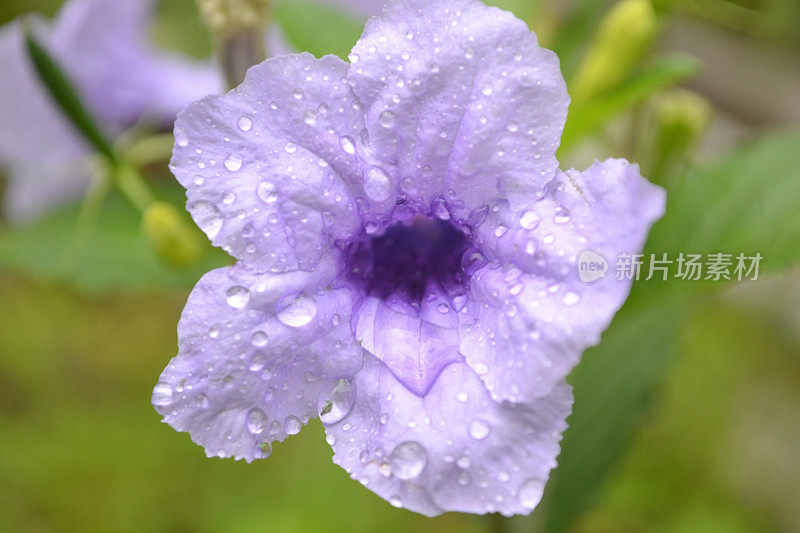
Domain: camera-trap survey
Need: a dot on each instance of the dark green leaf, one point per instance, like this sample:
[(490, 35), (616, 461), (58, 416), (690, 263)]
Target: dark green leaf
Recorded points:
[(586, 117), (63, 93), (317, 28)]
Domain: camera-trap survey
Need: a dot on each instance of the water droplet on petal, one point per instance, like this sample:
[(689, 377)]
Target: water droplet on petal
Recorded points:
[(207, 217), (386, 119), (378, 185), (256, 421), (479, 429), (408, 459), (571, 298), (298, 313), (262, 450), (529, 219), (530, 493), (267, 191), (339, 404), (259, 339), (181, 139), (348, 145), (233, 162), (162, 395), (310, 118), (244, 123), (237, 297), (292, 425)]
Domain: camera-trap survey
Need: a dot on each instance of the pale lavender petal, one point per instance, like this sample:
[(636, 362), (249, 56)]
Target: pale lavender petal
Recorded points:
[(104, 47), (266, 166), (44, 159), (535, 316), (455, 449), (257, 354), (461, 102)]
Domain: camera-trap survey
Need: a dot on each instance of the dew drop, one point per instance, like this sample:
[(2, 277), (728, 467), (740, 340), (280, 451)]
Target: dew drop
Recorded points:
[(310, 118), (207, 217), (237, 297), (479, 429), (529, 219), (233, 162), (530, 493), (292, 425), (338, 406), (267, 192), (472, 261), (298, 313), (378, 185), (348, 145), (181, 139), (257, 362), (408, 459), (290, 148), (162, 395), (386, 119), (262, 450), (259, 339), (245, 124), (571, 298), (256, 421)]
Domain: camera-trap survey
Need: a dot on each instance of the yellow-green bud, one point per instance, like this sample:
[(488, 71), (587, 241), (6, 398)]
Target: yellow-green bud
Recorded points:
[(170, 234), (225, 17), (625, 34), (683, 113)]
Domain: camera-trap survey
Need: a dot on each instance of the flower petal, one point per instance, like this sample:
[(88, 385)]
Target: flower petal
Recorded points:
[(43, 156), (535, 316), (257, 354), (461, 102), (266, 166), (455, 449), (104, 47)]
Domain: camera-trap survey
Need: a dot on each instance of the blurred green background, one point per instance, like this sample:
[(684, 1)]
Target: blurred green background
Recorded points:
[(687, 415)]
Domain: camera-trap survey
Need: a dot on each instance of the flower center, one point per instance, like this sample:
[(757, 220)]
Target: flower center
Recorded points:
[(414, 286), (410, 260)]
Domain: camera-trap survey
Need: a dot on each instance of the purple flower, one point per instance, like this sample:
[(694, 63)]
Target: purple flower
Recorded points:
[(407, 252), (103, 47)]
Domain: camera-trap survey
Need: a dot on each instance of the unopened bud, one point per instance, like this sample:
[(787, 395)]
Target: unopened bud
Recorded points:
[(225, 17), (624, 36), (172, 237), (681, 117)]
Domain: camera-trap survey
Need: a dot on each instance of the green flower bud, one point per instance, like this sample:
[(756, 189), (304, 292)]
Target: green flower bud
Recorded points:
[(680, 117), (170, 234), (624, 36)]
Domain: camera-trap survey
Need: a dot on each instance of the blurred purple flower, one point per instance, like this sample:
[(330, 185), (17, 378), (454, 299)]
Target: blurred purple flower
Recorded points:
[(102, 46), (407, 252)]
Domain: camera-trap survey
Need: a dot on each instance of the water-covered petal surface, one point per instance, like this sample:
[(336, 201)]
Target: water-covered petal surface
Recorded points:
[(461, 103), (266, 166), (535, 313), (258, 353), (455, 449)]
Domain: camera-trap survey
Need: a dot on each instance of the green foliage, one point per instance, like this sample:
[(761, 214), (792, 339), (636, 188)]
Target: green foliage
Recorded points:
[(589, 116), (747, 203), (613, 388), (317, 28), (110, 254)]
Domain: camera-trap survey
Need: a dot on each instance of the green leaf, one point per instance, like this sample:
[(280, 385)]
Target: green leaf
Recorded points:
[(60, 88), (586, 117), (111, 254), (613, 387), (317, 28), (748, 203)]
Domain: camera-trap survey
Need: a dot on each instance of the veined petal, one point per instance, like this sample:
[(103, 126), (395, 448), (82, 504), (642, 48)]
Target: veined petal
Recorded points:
[(266, 167), (461, 102), (258, 352), (535, 315), (455, 449)]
